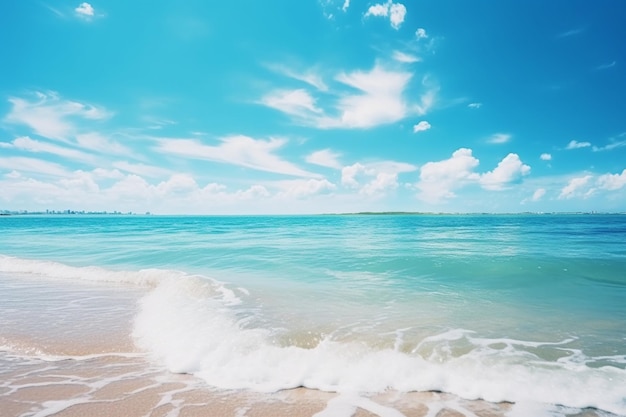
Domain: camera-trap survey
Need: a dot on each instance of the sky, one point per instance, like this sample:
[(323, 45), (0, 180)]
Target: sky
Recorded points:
[(313, 106)]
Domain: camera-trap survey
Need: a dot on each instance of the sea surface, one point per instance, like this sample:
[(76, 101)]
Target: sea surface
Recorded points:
[(525, 310)]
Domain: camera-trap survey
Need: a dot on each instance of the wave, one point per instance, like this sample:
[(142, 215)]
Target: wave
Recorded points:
[(197, 325)]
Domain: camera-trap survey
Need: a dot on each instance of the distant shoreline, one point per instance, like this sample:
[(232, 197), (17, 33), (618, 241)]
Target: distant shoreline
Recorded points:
[(8, 213)]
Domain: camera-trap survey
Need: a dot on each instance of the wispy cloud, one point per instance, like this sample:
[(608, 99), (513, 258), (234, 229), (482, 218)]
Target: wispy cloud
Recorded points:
[(573, 186), (52, 117), (379, 99), (475, 105), (238, 150), (617, 142), (499, 138), (420, 33), (142, 169), (395, 11), (325, 158), (538, 194), (33, 165), (571, 32), (606, 66), (545, 157), (25, 143), (310, 77), (405, 58), (574, 144)]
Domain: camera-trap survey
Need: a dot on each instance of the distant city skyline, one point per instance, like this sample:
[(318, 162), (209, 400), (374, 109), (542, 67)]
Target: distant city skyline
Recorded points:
[(313, 106)]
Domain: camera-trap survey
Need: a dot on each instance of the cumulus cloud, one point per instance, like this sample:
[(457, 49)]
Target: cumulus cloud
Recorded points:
[(374, 178), (84, 10), (239, 150), (612, 181), (546, 157), (574, 144), (325, 158), (421, 126), (499, 138), (574, 186), (395, 11), (305, 188), (420, 33), (438, 180), (510, 170)]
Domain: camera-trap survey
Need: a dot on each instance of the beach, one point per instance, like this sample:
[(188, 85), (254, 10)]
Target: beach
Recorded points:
[(313, 316)]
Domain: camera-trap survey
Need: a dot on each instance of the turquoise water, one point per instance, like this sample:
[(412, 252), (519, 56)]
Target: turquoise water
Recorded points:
[(501, 307)]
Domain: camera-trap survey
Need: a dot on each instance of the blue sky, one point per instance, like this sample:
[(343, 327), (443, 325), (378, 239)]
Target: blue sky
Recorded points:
[(313, 106)]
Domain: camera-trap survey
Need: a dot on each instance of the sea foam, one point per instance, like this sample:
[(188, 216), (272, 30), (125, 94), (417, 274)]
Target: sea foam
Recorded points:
[(197, 325)]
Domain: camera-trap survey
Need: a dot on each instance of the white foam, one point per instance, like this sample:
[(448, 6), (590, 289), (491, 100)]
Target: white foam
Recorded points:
[(192, 328), (146, 277)]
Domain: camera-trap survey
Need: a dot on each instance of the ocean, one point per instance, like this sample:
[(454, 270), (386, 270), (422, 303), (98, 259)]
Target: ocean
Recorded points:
[(327, 315)]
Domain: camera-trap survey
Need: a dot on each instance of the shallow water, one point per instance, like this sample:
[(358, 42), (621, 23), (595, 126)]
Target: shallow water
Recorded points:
[(523, 309)]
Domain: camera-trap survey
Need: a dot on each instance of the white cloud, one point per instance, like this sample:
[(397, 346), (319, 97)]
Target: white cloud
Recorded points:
[(612, 181), (438, 180), (178, 184), (427, 100), (325, 158), (305, 188), (421, 126), (573, 186), (345, 6), (611, 146), (310, 77), (546, 157), (509, 170), (395, 11), (383, 182), (574, 144), (499, 138), (31, 145), (237, 150), (32, 165), (374, 179), (366, 99), (349, 173), (294, 102), (405, 58), (50, 116), (475, 105), (97, 142), (380, 101), (538, 194), (420, 33), (85, 10), (142, 169)]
